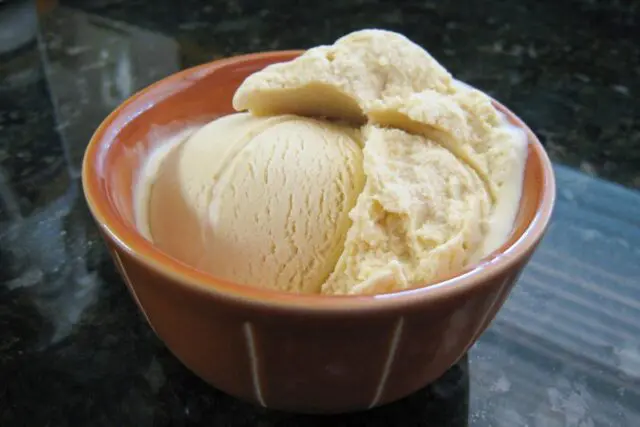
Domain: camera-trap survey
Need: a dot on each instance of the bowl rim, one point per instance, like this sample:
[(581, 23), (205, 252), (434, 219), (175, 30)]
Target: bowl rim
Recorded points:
[(205, 284)]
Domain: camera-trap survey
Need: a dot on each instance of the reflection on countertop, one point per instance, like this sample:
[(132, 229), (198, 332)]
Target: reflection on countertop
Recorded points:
[(564, 351)]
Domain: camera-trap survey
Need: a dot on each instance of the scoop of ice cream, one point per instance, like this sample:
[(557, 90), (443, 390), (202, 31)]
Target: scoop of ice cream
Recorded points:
[(421, 216), (260, 201), (343, 79)]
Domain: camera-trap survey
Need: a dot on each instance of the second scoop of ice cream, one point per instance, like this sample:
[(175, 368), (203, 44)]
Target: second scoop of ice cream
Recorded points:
[(259, 201)]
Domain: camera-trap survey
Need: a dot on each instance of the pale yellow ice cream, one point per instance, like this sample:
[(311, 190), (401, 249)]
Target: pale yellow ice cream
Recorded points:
[(420, 216), (424, 179), (343, 80), (259, 201)]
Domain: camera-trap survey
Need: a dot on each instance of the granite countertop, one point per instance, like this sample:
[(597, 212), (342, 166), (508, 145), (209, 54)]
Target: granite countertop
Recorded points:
[(564, 350)]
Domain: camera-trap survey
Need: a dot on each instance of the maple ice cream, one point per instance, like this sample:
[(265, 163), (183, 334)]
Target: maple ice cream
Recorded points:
[(357, 168)]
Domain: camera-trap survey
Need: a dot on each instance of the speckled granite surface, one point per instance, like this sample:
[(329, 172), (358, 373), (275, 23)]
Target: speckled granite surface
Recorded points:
[(564, 351)]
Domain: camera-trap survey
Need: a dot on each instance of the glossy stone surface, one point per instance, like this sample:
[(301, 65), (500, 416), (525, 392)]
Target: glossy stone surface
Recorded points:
[(564, 351)]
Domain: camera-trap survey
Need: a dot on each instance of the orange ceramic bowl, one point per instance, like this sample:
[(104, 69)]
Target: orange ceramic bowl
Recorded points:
[(303, 353)]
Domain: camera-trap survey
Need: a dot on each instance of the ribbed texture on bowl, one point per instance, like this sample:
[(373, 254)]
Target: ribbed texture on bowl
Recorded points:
[(292, 352)]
